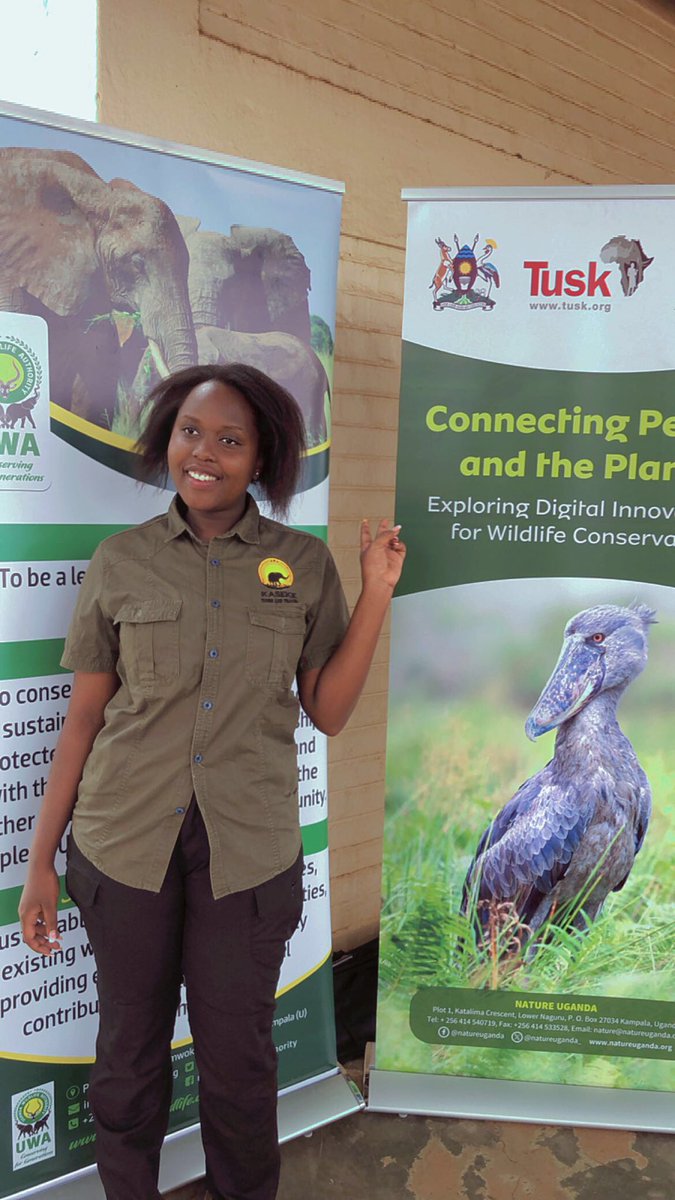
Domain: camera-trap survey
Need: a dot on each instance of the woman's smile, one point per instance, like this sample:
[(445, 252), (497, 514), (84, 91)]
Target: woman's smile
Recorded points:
[(200, 476)]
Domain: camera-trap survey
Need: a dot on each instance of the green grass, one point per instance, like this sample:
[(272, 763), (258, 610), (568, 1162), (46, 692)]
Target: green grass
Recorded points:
[(450, 769)]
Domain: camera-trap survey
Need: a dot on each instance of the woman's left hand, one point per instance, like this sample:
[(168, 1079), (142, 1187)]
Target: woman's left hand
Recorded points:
[(382, 556)]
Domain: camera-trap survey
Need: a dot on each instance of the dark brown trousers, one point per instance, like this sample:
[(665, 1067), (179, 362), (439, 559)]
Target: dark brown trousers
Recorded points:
[(229, 952)]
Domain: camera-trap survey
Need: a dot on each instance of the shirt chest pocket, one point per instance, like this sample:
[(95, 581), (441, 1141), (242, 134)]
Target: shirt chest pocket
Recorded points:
[(274, 646), (149, 642)]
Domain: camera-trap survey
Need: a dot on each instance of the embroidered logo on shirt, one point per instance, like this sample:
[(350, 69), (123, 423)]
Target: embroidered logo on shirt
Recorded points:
[(275, 573)]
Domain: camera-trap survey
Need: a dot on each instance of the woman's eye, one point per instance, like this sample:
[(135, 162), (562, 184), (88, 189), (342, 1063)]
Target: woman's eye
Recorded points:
[(598, 637)]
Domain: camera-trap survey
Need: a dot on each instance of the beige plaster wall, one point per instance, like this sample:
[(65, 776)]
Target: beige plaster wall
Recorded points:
[(386, 94)]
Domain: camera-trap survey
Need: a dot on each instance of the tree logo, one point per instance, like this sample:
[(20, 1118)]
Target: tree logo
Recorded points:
[(275, 573), (31, 1113), (20, 379)]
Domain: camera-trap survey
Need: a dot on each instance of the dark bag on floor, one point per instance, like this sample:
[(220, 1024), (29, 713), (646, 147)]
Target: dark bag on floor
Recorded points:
[(355, 991)]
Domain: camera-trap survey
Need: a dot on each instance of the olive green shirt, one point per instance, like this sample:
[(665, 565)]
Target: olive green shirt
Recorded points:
[(206, 639)]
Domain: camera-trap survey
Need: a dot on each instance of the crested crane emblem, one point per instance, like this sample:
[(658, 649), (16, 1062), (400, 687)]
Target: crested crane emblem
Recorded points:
[(570, 834), (464, 279)]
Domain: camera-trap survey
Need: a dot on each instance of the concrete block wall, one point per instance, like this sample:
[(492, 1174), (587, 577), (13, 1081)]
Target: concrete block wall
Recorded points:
[(388, 94)]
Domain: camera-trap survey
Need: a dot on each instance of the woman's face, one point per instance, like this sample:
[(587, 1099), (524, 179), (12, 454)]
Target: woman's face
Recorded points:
[(213, 455)]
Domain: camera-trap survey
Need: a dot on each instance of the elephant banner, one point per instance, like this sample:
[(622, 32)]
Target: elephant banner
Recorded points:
[(121, 261), (526, 961)]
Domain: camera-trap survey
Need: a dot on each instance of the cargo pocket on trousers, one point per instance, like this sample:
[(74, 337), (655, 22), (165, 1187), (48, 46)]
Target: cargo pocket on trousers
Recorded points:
[(81, 887), (278, 909)]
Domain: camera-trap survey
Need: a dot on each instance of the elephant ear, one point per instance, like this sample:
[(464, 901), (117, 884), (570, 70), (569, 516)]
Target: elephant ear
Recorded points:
[(47, 245), (188, 225)]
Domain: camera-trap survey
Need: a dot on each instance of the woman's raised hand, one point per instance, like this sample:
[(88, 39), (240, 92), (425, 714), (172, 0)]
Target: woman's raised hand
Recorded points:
[(382, 556)]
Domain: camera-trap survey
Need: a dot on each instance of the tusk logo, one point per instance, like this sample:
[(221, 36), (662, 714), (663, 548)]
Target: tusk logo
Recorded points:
[(275, 573), (631, 260)]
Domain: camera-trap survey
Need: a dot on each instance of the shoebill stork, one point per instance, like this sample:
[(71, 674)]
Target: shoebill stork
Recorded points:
[(570, 834)]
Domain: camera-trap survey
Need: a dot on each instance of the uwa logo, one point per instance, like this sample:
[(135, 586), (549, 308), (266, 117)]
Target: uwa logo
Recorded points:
[(20, 379), (33, 1120)]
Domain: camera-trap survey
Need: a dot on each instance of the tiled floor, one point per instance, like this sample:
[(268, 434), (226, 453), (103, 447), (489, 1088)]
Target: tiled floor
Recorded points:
[(374, 1156)]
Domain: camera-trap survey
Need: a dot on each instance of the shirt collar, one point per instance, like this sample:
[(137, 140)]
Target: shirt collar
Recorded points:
[(247, 528)]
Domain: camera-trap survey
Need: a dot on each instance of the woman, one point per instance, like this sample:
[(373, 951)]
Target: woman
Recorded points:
[(177, 764)]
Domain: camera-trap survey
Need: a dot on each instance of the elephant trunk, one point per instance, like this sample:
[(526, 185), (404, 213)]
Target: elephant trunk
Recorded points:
[(205, 308), (174, 339), (180, 350)]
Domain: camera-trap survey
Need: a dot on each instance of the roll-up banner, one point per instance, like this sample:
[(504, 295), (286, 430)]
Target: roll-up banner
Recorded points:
[(528, 929), (115, 254)]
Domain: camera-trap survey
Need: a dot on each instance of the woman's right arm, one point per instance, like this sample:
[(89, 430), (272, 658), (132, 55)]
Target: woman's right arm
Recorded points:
[(38, 907)]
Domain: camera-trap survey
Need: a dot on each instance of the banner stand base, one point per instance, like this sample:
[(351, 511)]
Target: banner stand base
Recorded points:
[(301, 1110), (505, 1100), (307, 1108)]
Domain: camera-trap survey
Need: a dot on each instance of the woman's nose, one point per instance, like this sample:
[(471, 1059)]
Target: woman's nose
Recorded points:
[(203, 449)]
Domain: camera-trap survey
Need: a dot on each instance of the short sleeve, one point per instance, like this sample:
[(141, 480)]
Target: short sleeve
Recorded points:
[(92, 643), (328, 616)]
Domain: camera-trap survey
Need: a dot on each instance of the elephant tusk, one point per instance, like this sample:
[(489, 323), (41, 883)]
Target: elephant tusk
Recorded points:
[(158, 359)]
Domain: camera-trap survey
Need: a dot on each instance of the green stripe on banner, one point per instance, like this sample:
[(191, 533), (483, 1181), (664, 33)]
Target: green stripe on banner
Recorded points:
[(53, 543), (25, 660), (9, 902), (315, 837), (320, 531), (43, 543)]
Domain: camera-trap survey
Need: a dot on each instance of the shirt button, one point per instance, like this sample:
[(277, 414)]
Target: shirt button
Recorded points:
[(215, 562), (215, 604), (208, 705), (180, 811), (213, 653), (199, 758)]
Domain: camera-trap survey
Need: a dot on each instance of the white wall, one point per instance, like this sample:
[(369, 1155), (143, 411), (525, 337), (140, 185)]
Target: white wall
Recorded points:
[(49, 55)]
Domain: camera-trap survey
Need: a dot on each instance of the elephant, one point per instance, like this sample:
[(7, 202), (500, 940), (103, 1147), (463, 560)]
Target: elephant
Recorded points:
[(80, 252), (288, 360), (232, 323), (255, 280)]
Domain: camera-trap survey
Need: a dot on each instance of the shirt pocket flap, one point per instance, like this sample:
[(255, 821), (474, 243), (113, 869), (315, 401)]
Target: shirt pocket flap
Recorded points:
[(149, 642), (292, 623), (274, 646), (146, 612)]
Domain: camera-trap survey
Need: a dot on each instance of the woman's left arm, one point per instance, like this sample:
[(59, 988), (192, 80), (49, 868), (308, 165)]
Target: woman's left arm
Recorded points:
[(329, 693)]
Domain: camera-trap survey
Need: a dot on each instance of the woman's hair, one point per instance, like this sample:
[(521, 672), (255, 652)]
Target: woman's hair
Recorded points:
[(278, 421)]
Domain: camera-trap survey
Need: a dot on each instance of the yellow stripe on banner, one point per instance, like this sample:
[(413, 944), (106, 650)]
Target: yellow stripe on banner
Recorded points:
[(318, 449), (119, 440), (303, 977), (89, 429), (43, 1058), (174, 1045), (50, 1058)]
